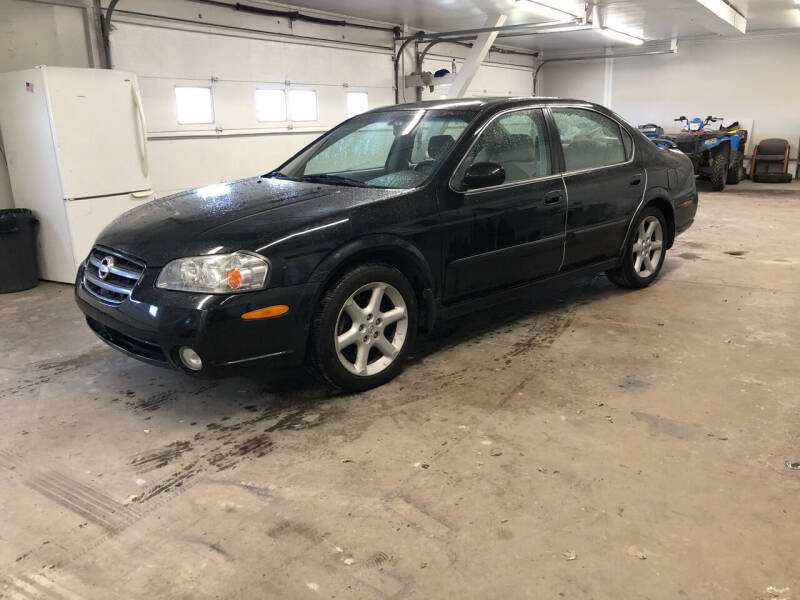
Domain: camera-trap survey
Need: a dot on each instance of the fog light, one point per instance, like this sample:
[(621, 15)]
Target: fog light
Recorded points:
[(190, 359)]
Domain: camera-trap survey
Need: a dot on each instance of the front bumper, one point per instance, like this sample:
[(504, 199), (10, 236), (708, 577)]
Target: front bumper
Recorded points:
[(152, 324)]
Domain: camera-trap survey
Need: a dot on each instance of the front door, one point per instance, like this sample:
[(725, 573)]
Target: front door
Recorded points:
[(512, 232), (604, 183)]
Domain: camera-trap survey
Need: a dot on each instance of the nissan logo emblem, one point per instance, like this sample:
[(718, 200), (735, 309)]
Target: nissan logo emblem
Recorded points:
[(105, 267)]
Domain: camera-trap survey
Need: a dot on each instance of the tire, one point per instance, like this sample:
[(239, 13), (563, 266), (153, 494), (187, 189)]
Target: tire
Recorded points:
[(636, 272), (772, 177), (736, 170), (353, 346), (719, 171)]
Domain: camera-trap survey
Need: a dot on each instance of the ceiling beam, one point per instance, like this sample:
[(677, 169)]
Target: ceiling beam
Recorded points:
[(480, 48), (521, 28), (722, 17)]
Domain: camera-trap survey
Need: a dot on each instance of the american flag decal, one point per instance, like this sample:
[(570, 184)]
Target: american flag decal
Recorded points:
[(28, 86)]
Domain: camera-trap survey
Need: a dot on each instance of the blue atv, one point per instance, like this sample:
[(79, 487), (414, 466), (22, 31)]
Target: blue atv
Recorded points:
[(652, 131), (656, 134), (717, 154)]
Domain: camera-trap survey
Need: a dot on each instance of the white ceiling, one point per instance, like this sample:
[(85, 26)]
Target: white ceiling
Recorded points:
[(651, 19)]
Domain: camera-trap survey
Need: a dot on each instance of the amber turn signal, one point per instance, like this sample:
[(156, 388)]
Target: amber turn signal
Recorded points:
[(266, 313)]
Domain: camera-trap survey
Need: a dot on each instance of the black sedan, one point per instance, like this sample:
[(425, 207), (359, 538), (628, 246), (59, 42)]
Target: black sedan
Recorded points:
[(392, 220)]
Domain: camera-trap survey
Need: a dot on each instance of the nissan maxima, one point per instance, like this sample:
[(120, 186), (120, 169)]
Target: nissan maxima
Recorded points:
[(391, 221)]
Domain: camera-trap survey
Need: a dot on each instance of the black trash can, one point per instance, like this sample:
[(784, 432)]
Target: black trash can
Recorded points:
[(19, 268)]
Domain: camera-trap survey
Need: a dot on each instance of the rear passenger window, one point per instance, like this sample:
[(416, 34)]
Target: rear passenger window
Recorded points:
[(589, 139), (517, 141)]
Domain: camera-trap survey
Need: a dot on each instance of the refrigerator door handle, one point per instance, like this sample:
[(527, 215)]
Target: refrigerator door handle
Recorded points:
[(137, 100)]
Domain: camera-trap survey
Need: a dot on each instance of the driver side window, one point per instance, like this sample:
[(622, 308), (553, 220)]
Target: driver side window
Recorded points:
[(517, 141)]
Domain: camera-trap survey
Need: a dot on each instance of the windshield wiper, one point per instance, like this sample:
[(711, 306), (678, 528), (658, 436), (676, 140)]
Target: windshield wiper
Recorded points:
[(333, 180), (275, 175)]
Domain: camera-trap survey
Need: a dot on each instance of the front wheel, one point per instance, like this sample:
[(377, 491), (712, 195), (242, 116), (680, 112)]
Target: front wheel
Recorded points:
[(719, 170), (365, 327), (644, 252)]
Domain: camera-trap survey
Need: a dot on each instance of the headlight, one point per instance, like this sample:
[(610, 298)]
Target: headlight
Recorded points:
[(216, 274), (710, 142)]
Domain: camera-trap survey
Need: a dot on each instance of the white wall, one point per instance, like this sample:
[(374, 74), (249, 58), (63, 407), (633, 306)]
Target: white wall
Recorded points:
[(236, 144), (582, 80), (33, 33), (235, 63), (748, 79), (174, 42)]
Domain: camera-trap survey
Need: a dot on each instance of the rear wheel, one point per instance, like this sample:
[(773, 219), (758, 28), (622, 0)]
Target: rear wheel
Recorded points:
[(644, 252), (365, 327), (719, 170), (736, 170)]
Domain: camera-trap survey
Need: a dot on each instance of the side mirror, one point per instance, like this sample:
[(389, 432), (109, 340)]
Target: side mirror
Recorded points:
[(483, 174)]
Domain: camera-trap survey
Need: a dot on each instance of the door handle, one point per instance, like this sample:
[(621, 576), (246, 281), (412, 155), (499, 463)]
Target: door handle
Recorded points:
[(140, 122), (553, 198), (635, 180)]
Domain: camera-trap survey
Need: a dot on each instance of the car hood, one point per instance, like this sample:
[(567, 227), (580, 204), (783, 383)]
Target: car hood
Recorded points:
[(241, 215)]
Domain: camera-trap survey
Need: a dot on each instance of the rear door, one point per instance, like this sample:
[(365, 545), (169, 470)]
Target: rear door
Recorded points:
[(604, 183), (512, 232)]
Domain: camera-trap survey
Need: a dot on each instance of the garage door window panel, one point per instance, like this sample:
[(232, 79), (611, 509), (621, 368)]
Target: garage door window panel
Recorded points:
[(194, 105), (357, 103), (271, 105), (517, 142), (589, 140), (303, 105)]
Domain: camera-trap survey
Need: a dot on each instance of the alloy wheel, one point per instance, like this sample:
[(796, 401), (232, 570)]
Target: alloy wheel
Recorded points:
[(648, 247), (371, 329)]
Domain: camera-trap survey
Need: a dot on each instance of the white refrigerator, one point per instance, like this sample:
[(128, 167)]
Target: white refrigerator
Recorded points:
[(76, 146)]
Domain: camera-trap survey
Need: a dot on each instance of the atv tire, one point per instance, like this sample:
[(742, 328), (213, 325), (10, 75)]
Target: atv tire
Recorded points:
[(719, 171), (736, 170)]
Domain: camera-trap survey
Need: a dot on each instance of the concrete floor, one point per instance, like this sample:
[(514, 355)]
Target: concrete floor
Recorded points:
[(588, 443)]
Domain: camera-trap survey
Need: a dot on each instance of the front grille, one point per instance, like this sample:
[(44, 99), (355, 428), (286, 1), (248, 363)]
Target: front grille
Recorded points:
[(137, 346), (110, 276), (687, 147)]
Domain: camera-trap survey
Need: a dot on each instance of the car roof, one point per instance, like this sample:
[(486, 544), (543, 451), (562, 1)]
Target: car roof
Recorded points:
[(479, 104)]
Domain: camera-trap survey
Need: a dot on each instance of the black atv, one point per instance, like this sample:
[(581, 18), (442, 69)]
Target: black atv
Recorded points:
[(717, 155)]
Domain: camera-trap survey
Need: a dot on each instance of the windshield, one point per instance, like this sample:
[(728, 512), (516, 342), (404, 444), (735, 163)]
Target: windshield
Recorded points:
[(390, 149)]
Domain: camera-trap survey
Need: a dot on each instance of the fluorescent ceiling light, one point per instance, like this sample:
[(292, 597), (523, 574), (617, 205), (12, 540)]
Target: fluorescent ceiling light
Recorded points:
[(621, 37), (546, 9)]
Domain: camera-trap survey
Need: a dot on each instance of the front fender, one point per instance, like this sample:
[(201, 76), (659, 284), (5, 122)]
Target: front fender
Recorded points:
[(367, 244), (720, 141), (348, 253)]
